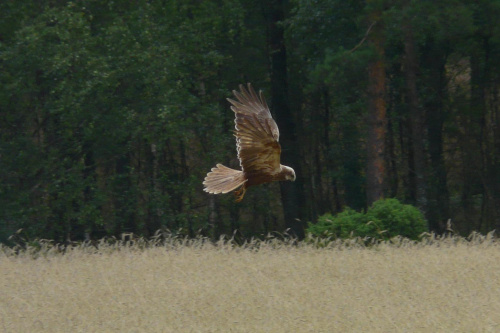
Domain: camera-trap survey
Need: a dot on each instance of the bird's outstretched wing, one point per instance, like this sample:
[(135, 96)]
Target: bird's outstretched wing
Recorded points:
[(257, 134)]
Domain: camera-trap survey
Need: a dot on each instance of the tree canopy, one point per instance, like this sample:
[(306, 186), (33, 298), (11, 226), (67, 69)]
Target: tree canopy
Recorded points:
[(111, 113)]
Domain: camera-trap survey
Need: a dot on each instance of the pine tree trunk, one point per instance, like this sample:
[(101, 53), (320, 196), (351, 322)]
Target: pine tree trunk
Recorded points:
[(377, 120)]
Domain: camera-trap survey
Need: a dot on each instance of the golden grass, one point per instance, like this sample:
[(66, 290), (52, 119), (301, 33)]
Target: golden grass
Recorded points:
[(443, 286)]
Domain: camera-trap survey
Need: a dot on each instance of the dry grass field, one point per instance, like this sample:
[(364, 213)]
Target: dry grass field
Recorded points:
[(442, 286)]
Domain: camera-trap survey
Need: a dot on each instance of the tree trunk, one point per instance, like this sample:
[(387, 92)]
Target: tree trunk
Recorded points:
[(291, 192), (377, 121), (416, 120), (438, 204), (104, 171), (490, 134)]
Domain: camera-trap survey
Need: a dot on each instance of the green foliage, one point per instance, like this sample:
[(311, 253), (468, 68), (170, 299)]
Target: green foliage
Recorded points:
[(111, 113), (385, 219), (397, 219), (346, 224), (102, 112)]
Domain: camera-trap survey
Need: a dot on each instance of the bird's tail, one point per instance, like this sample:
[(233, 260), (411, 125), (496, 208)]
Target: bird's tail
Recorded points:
[(223, 179)]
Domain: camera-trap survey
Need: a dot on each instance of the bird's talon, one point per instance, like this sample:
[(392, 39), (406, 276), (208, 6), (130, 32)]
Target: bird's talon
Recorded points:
[(240, 194)]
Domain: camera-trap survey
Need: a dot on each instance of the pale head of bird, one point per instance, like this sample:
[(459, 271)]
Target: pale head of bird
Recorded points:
[(288, 172)]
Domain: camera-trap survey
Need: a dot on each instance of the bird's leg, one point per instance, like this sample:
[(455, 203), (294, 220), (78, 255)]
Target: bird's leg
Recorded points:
[(240, 193)]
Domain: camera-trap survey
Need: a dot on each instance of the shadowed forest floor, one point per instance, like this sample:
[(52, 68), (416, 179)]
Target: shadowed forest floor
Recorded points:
[(449, 285)]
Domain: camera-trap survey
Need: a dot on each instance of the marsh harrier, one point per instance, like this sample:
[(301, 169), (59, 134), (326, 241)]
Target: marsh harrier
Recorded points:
[(258, 148)]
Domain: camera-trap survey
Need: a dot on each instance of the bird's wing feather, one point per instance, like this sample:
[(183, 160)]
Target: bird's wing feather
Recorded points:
[(256, 132)]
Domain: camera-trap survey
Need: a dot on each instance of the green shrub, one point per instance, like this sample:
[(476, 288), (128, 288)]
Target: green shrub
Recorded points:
[(384, 219), (398, 219), (347, 224)]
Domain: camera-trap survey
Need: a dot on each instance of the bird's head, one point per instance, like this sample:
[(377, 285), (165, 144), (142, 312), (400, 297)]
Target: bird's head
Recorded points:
[(288, 172)]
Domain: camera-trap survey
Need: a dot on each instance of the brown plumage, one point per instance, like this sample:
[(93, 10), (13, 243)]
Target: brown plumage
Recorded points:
[(259, 151)]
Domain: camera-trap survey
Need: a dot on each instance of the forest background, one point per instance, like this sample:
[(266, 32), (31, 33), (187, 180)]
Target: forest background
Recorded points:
[(112, 112)]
